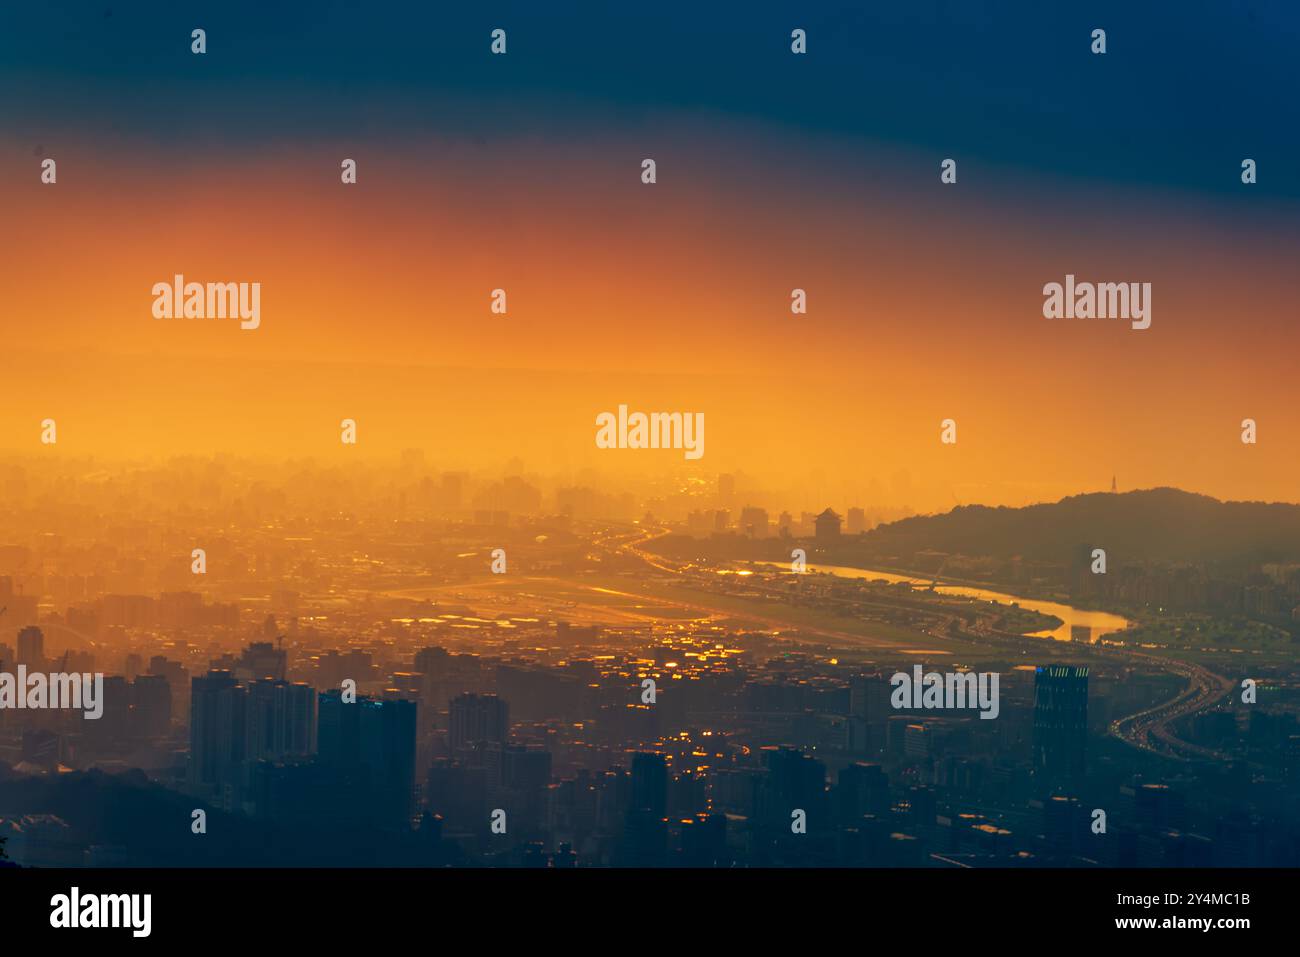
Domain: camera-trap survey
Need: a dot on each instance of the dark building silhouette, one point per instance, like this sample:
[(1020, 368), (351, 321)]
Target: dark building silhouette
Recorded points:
[(151, 706), (281, 720), (828, 525), (475, 719), (217, 720), (111, 731), (179, 681), (377, 739), (31, 648), (1060, 723), (704, 841), (863, 789), (644, 840), (232, 727), (794, 780), (650, 783)]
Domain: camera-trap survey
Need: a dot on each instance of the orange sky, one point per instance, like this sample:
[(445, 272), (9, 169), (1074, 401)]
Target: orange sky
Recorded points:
[(924, 303)]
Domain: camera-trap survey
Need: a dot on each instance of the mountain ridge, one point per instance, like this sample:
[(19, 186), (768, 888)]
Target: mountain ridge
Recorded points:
[(1158, 524)]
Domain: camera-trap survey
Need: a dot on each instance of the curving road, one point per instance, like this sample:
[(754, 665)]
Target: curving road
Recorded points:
[(1150, 729)]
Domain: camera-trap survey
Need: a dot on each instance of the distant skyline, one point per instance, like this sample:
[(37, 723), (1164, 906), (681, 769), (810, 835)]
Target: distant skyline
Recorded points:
[(670, 495)]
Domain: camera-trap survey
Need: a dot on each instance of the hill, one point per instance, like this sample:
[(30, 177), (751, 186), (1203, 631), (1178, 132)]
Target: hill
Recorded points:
[(1162, 524)]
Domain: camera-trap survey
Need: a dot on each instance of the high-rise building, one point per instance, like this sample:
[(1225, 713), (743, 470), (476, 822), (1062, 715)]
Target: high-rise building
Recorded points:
[(793, 780), (650, 783), (338, 724), (869, 709), (522, 767), (863, 789), (388, 731), (217, 718), (112, 729), (151, 702), (178, 679), (281, 720), (517, 778), (459, 793), (31, 648), (1060, 723), (644, 841), (375, 737), (476, 719), (432, 661)]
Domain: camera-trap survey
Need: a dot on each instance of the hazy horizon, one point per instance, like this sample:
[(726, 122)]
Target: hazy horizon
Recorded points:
[(698, 485)]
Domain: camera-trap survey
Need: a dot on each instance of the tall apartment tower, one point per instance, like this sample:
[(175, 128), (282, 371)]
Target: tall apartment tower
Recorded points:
[(1060, 724)]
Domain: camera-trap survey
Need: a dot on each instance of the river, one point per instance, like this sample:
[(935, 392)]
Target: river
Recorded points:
[(1098, 623)]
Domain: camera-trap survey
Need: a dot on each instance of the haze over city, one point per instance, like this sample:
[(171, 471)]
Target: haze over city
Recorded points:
[(608, 439)]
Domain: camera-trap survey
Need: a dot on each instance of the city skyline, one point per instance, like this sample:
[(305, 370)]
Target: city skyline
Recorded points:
[(845, 455)]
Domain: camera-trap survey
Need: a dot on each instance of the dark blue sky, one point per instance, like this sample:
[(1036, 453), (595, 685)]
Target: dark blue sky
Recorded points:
[(1185, 91)]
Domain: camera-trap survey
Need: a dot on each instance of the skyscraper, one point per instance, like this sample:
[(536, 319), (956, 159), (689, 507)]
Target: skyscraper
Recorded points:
[(112, 729), (376, 738), (1060, 723), (338, 723), (388, 747), (217, 719), (793, 780), (281, 721)]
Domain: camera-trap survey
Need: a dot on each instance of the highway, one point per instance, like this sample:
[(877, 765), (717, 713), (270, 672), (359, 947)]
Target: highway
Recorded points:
[(1150, 729)]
